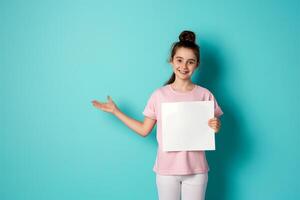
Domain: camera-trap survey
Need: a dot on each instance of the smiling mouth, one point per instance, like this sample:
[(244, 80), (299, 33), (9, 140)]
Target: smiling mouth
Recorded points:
[(183, 72)]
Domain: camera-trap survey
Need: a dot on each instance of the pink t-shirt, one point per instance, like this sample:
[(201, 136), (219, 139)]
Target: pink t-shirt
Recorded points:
[(177, 162)]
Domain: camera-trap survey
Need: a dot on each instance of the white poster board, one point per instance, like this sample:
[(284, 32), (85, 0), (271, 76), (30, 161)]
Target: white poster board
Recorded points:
[(185, 126)]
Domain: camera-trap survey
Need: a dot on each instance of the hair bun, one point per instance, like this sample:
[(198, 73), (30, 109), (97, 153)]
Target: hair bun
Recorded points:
[(187, 36)]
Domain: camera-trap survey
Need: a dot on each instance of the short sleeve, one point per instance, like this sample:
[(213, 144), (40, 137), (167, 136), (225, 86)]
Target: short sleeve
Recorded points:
[(217, 108), (150, 108)]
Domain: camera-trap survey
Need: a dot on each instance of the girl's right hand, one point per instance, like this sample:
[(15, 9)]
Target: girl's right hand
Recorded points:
[(109, 107)]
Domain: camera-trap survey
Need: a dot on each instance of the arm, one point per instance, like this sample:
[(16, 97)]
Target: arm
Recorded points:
[(142, 128)]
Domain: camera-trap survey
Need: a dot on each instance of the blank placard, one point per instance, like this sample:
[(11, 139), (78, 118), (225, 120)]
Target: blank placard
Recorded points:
[(185, 126)]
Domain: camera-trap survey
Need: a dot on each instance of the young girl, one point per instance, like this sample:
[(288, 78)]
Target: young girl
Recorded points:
[(179, 174)]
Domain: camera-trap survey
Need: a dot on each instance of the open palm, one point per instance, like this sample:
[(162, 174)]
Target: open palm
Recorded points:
[(109, 107)]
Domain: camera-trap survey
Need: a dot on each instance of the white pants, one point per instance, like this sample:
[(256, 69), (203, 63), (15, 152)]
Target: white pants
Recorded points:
[(189, 187)]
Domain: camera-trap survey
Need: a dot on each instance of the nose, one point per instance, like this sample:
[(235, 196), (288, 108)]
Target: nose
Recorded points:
[(184, 66)]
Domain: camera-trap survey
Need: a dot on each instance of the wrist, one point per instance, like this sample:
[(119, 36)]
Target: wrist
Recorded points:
[(116, 111)]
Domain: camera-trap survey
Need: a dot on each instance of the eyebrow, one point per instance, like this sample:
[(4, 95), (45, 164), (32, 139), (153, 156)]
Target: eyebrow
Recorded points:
[(188, 59)]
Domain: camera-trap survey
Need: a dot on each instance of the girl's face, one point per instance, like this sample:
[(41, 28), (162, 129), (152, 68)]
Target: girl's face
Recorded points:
[(184, 63)]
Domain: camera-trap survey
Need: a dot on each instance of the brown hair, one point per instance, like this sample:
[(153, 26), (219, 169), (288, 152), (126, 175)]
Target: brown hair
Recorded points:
[(186, 40)]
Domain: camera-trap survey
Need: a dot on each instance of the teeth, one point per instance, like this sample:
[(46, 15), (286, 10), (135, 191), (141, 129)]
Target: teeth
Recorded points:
[(183, 72)]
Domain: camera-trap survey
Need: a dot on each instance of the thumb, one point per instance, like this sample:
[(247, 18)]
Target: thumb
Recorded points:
[(109, 98)]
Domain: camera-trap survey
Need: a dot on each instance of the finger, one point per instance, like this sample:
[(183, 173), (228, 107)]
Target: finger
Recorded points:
[(211, 120), (104, 108), (94, 101), (213, 124), (215, 121), (98, 104)]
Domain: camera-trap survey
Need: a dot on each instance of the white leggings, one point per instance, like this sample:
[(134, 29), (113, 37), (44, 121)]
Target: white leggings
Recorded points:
[(189, 187)]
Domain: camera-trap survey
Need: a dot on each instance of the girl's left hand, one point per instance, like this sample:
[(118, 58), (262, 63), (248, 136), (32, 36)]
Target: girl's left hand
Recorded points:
[(215, 124)]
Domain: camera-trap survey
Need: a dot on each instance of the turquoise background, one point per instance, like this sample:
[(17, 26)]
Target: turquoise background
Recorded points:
[(58, 56)]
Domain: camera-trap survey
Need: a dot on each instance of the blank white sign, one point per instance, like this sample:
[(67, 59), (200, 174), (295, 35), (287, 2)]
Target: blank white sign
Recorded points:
[(185, 126)]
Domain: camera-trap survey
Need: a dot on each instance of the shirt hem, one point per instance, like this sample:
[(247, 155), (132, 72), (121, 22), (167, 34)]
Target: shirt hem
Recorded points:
[(178, 172)]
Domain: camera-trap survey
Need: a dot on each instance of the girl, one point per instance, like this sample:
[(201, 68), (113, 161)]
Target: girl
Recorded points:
[(179, 174)]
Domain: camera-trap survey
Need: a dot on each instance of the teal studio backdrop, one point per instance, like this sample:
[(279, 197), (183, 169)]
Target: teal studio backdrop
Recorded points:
[(58, 56)]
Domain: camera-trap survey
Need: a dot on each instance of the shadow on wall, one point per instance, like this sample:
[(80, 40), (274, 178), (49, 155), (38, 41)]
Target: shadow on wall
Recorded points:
[(233, 149)]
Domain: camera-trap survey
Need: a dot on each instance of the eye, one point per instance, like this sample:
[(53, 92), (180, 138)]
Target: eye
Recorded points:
[(178, 60), (192, 62)]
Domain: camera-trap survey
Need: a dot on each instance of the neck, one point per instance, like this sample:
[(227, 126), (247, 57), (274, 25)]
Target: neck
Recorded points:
[(182, 85)]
